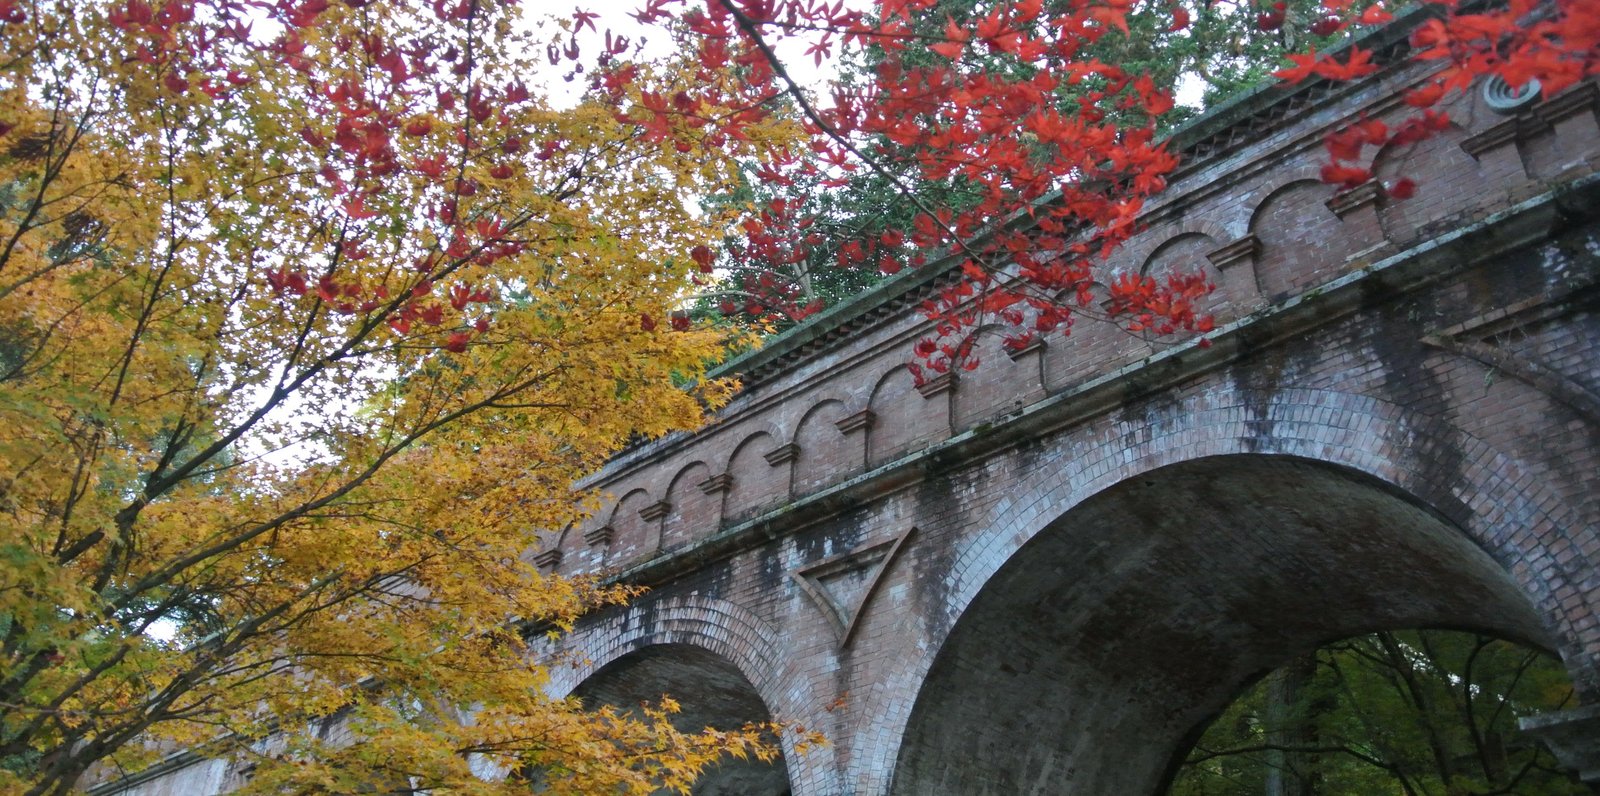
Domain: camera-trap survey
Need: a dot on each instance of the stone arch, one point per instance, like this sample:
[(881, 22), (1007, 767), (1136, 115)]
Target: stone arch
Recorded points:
[(1531, 538), (734, 648), (731, 631), (1152, 601), (1510, 515), (756, 481), (694, 507), (1139, 250), (902, 419), (711, 694), (1184, 249), (824, 452), (1302, 242)]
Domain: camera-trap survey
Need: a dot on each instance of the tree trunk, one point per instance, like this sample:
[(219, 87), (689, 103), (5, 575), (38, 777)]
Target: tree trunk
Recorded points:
[(1290, 725)]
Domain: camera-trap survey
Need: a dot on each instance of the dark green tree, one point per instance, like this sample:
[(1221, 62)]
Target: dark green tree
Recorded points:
[(1420, 713)]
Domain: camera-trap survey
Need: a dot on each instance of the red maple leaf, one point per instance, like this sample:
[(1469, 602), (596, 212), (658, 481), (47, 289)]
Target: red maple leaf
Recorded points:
[(356, 207)]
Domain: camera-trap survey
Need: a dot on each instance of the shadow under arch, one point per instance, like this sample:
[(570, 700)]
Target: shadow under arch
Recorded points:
[(678, 646), (1092, 654), (712, 693)]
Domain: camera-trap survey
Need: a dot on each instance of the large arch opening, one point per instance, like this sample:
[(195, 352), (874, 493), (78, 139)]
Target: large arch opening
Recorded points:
[(1089, 661), (712, 693)]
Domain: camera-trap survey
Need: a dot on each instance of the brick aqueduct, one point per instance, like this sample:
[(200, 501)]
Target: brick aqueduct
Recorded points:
[(1045, 575)]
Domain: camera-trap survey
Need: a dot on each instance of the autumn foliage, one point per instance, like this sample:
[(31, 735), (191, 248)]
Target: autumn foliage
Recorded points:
[(1078, 173), (1053, 151), (1547, 46), (311, 312), (310, 315)]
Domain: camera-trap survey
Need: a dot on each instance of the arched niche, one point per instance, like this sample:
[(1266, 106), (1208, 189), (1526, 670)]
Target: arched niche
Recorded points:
[(1128, 621), (1571, 144), (712, 693), (1302, 241), (632, 535), (757, 483), (694, 507), (902, 419), (998, 381), (1185, 253), (1450, 185), (826, 453), (1095, 344)]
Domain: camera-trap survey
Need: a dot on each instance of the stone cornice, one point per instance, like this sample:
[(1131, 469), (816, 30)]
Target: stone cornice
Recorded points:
[(167, 765), (1034, 345), (548, 560), (716, 483), (1346, 202), (941, 383), (1581, 98)]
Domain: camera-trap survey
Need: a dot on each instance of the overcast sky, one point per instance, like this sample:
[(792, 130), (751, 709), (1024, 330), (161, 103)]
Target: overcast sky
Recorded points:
[(616, 16)]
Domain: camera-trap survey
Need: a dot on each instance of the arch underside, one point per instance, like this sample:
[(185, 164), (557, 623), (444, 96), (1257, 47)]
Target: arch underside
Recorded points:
[(711, 692), (1100, 649)]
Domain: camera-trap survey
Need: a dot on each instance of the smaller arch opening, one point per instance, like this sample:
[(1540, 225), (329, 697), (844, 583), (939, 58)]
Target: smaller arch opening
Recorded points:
[(711, 692), (1429, 711)]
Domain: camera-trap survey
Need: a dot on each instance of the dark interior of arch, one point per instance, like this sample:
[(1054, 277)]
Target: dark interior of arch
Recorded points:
[(1088, 663), (712, 693)]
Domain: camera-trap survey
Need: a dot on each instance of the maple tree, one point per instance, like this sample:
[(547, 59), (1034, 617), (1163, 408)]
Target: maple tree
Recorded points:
[(1222, 51), (310, 315), (1050, 181), (312, 311)]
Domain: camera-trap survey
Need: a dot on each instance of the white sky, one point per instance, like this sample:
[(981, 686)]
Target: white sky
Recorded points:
[(616, 16)]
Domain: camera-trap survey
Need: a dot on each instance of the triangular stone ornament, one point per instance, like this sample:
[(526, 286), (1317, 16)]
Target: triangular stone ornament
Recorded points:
[(842, 585)]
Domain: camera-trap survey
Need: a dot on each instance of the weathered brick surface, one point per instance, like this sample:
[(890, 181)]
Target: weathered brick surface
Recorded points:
[(1399, 428), (1363, 451)]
